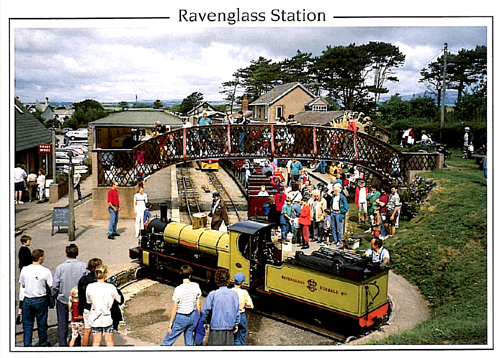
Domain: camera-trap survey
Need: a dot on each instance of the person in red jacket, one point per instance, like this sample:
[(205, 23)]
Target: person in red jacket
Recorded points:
[(305, 222), (280, 199)]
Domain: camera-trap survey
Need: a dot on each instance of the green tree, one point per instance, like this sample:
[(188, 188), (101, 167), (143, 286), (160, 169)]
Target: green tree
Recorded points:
[(230, 88), (123, 105), (432, 78), (393, 110), (158, 104), (467, 68), (88, 111), (384, 57), (342, 70), (261, 76), (190, 102)]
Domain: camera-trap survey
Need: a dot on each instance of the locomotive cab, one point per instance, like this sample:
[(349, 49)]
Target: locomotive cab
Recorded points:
[(251, 249)]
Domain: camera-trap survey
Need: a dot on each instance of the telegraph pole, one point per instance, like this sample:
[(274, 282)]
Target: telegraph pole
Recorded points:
[(71, 204), (443, 90)]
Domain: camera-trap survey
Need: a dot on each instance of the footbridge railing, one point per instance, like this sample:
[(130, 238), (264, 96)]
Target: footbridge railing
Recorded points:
[(304, 142)]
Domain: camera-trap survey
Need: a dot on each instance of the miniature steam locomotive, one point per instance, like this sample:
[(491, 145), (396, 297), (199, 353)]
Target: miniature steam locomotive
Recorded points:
[(332, 280)]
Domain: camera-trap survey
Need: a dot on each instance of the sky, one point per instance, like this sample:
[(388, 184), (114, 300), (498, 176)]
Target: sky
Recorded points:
[(111, 60)]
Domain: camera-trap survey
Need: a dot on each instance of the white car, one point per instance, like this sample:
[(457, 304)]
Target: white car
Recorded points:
[(63, 158), (80, 134)]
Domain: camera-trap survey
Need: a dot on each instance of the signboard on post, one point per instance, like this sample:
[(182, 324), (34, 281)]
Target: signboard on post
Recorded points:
[(60, 217), (44, 148)]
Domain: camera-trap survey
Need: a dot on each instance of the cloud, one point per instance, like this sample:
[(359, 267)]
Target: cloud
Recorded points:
[(117, 61)]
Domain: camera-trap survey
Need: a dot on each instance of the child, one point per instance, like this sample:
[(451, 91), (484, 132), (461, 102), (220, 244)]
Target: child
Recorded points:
[(327, 228), (24, 256), (76, 318), (376, 222)]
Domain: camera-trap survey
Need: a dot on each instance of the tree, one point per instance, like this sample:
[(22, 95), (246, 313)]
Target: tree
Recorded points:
[(261, 76), (88, 111), (342, 70), (230, 88), (190, 102), (158, 104), (432, 77), (383, 58), (123, 104), (467, 68)]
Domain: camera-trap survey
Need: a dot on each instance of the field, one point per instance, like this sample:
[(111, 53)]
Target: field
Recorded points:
[(445, 251)]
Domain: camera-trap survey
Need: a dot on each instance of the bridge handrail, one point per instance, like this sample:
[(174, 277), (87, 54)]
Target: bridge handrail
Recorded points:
[(259, 140)]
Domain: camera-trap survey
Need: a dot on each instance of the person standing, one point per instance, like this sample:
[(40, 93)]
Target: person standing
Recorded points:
[(140, 201), (186, 303), (40, 182), (339, 209), (392, 211), (32, 189), (113, 208), (295, 169), (245, 302), (24, 256), (318, 207), (305, 222), (83, 306), (66, 277), (360, 200), (468, 143), (285, 220), (36, 280), (101, 295), (76, 318), (76, 184), (223, 307), (19, 176), (218, 212)]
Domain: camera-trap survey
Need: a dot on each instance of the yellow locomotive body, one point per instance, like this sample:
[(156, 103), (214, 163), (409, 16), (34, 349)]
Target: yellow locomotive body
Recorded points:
[(328, 279)]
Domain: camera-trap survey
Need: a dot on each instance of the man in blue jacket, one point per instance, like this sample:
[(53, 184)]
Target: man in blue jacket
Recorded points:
[(222, 306), (339, 208)]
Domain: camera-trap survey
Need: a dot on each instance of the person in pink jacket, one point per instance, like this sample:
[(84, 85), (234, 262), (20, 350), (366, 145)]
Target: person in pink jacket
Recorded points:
[(305, 222), (361, 201)]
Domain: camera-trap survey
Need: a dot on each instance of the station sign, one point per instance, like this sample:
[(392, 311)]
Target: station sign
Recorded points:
[(44, 148)]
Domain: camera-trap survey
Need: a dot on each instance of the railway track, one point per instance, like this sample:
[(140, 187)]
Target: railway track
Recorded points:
[(217, 185), (187, 191)]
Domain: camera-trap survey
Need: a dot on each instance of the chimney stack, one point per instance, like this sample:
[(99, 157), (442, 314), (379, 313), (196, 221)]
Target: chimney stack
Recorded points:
[(244, 105)]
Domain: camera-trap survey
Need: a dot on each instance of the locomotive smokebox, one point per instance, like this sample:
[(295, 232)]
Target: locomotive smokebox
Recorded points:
[(164, 212)]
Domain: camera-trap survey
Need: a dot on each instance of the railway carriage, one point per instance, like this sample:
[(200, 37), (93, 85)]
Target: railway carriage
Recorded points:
[(331, 280)]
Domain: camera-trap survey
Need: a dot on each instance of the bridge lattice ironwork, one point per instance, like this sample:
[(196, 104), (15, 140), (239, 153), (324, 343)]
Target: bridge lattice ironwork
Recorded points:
[(304, 142)]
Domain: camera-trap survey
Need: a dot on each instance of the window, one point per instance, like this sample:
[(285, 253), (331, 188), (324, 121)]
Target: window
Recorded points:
[(279, 112), (319, 108)]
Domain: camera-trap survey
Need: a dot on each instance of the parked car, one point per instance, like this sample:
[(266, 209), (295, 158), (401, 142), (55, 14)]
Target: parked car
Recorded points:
[(63, 158), (79, 134), (66, 130)]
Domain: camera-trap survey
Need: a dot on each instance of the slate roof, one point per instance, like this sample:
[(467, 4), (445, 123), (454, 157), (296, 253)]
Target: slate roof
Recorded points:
[(321, 118), (29, 131), (278, 92), (139, 118)]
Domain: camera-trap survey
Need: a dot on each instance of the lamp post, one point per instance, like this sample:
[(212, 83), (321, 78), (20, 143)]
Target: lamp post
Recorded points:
[(71, 192)]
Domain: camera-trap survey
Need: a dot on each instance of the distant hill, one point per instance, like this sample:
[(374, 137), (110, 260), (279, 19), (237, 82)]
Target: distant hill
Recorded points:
[(450, 97)]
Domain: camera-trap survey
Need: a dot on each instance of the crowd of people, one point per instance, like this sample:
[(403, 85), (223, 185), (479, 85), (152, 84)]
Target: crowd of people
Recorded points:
[(302, 212), (78, 291)]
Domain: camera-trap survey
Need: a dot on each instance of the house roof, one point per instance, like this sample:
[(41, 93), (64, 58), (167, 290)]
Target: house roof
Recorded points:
[(312, 117), (209, 108), (144, 119), (29, 130), (317, 100), (278, 92)]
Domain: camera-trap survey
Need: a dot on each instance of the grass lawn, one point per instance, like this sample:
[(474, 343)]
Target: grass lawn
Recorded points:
[(444, 251)]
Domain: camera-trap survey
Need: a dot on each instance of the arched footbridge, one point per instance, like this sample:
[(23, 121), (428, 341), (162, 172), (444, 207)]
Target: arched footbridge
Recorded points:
[(304, 142)]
